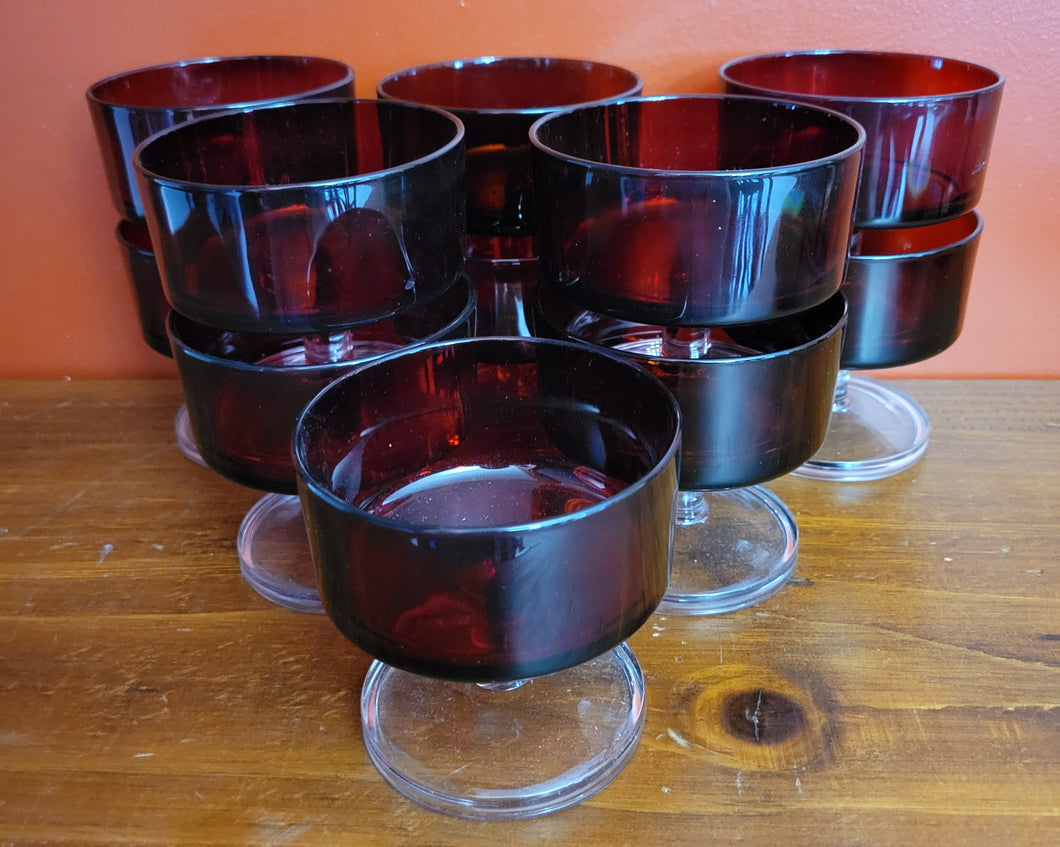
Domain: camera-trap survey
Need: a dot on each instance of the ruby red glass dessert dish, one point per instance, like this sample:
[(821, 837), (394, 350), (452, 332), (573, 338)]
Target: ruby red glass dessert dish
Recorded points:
[(491, 519), (246, 390), (754, 401), (129, 107), (695, 210), (906, 290), (929, 122), (493, 509), (306, 217), (497, 98)]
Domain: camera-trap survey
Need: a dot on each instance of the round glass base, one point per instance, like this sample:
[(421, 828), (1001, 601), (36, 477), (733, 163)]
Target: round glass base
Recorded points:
[(875, 431), (504, 752), (732, 549), (185, 438), (274, 554)]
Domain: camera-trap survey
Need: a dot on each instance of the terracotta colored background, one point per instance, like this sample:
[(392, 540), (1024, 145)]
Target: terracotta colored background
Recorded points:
[(67, 309)]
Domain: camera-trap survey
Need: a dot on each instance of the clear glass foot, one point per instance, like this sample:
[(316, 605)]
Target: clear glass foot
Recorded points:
[(185, 439), (875, 431), (274, 554), (732, 549), (504, 752)]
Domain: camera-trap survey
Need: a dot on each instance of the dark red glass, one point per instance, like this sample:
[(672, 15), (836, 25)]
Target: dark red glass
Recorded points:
[(130, 107), (497, 99), (907, 289), (695, 210), (151, 304), (929, 122), (244, 391), (755, 403), (307, 216), (490, 509)]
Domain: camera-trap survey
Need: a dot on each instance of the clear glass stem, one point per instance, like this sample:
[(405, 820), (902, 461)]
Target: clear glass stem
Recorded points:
[(686, 342), (692, 508), (841, 400), (329, 347)]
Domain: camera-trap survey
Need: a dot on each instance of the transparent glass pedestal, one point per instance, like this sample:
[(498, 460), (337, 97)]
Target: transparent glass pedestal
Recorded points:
[(732, 548), (875, 431), (274, 554), (504, 751), (185, 438)]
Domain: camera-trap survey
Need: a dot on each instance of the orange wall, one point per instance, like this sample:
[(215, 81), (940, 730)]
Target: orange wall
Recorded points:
[(66, 308)]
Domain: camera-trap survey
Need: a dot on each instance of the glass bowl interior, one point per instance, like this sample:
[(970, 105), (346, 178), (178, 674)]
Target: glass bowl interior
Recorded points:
[(527, 84), (861, 75)]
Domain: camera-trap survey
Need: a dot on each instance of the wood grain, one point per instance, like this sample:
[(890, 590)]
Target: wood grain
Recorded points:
[(902, 689)]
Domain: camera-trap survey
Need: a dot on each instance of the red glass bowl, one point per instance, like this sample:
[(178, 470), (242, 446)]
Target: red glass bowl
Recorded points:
[(151, 304), (307, 216), (244, 392), (754, 405), (497, 99), (130, 107), (695, 210), (490, 509), (929, 123), (907, 289)]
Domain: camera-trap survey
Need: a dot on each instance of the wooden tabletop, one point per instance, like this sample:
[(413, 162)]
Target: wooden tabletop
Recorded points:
[(149, 696)]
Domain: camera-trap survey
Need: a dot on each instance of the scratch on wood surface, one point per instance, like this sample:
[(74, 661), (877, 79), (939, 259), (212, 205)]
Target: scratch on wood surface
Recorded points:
[(104, 551), (679, 739), (280, 832)]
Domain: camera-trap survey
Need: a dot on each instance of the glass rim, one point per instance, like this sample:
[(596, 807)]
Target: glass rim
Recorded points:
[(95, 92), (683, 173), (726, 75), (318, 489), (636, 83), (261, 188)]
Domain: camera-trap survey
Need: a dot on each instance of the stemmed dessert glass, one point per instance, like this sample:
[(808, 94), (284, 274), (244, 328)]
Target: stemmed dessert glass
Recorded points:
[(295, 241), (705, 237), (929, 124), (129, 107), (497, 98), (906, 291), (755, 405), (491, 519), (244, 393)]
